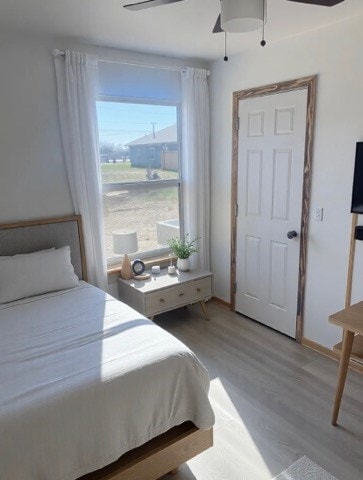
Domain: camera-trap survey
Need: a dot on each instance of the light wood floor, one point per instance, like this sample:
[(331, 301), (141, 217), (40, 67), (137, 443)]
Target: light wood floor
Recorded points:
[(272, 399)]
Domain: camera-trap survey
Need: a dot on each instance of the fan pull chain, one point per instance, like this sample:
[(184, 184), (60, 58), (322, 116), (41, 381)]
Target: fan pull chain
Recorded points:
[(263, 41), (225, 58)]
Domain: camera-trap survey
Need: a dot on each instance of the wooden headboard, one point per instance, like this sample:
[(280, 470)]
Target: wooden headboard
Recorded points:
[(33, 235)]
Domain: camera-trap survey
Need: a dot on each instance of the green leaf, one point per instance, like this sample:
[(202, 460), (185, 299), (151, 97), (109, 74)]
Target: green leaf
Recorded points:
[(183, 247)]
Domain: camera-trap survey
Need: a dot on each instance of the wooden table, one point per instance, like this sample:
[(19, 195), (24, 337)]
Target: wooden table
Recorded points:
[(351, 321)]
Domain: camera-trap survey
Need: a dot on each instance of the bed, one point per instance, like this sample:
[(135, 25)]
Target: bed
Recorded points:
[(89, 387)]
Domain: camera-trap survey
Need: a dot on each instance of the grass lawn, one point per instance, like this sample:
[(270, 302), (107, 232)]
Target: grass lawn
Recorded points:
[(123, 172)]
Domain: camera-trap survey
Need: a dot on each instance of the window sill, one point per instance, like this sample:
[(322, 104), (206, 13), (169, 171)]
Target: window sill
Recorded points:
[(162, 260)]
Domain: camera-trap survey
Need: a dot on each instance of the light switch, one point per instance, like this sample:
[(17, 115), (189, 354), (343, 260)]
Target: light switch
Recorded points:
[(318, 214)]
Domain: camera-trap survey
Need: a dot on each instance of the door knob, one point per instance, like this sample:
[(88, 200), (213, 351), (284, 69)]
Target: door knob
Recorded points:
[(291, 234)]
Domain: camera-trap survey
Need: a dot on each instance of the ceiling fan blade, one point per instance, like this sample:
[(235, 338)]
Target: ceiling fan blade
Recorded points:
[(323, 3), (149, 4), (217, 27)]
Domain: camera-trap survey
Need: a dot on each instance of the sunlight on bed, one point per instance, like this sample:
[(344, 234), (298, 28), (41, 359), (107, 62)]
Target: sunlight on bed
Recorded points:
[(116, 333)]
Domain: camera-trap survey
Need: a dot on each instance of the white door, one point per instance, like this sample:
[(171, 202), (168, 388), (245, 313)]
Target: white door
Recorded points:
[(270, 183)]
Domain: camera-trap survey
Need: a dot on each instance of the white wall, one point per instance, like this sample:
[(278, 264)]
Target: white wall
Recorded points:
[(33, 180), (335, 54)]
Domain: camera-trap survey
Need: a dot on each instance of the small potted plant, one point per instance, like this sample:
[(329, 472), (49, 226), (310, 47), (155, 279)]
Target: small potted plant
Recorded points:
[(183, 248)]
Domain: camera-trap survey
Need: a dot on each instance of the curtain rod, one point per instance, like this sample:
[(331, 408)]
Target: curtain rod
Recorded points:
[(57, 53)]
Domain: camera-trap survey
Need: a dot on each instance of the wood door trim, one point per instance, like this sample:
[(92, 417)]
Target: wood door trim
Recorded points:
[(301, 83)]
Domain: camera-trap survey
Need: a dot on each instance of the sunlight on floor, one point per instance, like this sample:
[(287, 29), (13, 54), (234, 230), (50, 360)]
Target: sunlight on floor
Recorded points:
[(235, 454)]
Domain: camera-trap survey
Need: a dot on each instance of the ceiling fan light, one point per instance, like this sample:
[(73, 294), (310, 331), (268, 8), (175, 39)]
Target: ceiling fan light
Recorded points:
[(241, 15)]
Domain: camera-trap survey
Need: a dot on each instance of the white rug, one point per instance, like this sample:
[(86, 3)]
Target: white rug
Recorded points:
[(305, 469)]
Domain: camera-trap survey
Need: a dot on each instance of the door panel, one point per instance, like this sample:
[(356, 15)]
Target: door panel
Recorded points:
[(270, 179), (278, 271), (253, 182), (281, 184), (256, 124), (252, 267)]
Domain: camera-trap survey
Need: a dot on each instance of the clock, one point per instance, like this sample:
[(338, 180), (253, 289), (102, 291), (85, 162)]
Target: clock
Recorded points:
[(138, 267)]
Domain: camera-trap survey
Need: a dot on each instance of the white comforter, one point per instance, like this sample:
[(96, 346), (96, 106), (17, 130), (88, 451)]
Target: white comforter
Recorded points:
[(83, 379)]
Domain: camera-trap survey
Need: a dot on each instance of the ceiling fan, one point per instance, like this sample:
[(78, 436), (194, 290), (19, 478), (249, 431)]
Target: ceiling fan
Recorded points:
[(219, 23)]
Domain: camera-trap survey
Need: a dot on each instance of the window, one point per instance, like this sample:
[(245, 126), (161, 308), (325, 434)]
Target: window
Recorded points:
[(140, 151)]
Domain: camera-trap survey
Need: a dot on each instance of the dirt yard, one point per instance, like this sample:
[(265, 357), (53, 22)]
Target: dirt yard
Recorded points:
[(137, 209)]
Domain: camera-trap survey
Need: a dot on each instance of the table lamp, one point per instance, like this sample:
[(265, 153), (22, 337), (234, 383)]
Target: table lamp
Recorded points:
[(125, 242)]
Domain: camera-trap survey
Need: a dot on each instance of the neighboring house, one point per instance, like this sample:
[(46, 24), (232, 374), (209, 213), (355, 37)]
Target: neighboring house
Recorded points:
[(156, 150)]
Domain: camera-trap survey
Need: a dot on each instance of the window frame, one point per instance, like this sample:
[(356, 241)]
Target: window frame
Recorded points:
[(155, 184)]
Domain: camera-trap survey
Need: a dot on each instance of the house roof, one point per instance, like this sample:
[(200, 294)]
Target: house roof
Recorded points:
[(166, 135)]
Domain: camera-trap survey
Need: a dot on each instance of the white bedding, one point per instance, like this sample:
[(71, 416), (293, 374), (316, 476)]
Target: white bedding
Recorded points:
[(83, 379)]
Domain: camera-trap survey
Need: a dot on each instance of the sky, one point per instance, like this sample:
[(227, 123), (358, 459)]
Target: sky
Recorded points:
[(120, 123)]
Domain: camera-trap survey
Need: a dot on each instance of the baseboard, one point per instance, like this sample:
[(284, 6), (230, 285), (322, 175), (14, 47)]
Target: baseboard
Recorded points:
[(329, 353), (221, 303)]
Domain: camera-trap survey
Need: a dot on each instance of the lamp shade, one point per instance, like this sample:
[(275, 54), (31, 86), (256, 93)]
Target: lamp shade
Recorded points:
[(242, 15), (124, 242)]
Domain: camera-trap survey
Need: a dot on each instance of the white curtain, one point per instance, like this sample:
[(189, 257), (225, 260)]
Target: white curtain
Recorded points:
[(77, 76), (195, 161)]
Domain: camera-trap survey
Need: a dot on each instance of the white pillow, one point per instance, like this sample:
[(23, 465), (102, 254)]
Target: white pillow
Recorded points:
[(36, 273)]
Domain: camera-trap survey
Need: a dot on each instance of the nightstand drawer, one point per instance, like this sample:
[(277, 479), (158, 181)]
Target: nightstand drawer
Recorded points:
[(194, 291), (161, 293), (178, 295)]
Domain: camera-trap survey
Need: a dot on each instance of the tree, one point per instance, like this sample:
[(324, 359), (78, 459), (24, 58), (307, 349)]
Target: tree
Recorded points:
[(107, 150), (121, 153), (110, 151)]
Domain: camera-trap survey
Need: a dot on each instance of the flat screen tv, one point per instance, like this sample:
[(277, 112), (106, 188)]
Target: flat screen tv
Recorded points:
[(357, 194)]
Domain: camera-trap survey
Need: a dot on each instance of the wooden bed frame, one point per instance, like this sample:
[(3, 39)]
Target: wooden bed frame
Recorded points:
[(161, 455)]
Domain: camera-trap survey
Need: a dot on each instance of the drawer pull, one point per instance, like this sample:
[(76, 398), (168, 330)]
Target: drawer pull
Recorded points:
[(181, 294), (198, 289), (162, 300)]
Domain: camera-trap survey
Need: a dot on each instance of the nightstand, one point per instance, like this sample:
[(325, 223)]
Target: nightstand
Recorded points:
[(164, 292)]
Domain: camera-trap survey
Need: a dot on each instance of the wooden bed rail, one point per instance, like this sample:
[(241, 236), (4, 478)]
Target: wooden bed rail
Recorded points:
[(159, 456)]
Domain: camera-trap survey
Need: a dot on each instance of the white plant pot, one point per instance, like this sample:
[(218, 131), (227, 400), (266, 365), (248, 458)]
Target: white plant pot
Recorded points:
[(183, 264)]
